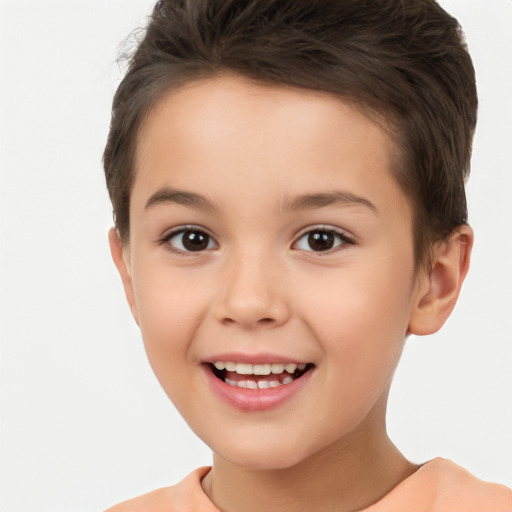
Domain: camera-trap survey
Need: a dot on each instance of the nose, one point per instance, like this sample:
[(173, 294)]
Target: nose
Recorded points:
[(253, 293)]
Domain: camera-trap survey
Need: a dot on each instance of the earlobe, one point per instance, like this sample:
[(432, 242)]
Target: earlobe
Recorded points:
[(437, 291), (123, 266)]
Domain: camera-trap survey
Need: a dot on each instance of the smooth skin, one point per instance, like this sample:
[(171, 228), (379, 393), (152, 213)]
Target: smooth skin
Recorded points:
[(254, 171)]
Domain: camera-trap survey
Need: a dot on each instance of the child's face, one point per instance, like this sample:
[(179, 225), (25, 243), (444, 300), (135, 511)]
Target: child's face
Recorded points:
[(267, 227)]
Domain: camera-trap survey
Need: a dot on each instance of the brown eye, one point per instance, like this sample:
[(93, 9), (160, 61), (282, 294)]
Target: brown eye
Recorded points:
[(195, 240), (190, 240), (320, 240)]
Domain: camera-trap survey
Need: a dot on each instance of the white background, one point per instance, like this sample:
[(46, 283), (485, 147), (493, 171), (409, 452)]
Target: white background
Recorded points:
[(84, 423)]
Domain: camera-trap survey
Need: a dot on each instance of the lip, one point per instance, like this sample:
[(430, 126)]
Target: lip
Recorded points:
[(263, 358), (254, 400)]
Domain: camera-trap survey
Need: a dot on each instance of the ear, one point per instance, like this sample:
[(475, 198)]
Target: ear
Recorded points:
[(121, 259), (437, 291)]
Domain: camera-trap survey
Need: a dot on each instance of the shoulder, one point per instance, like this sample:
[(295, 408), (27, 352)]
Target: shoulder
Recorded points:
[(186, 496), (456, 487), (155, 501), (442, 486)]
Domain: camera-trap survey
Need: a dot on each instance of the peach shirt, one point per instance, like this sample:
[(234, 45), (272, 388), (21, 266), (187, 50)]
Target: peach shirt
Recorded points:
[(438, 486)]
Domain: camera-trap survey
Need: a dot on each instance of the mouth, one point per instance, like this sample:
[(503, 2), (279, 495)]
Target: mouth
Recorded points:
[(258, 376)]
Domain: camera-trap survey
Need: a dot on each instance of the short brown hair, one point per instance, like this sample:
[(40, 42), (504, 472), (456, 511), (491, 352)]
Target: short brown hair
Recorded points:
[(405, 61)]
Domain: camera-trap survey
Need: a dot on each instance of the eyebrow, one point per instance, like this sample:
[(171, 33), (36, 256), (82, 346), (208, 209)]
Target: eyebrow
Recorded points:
[(166, 195), (337, 198)]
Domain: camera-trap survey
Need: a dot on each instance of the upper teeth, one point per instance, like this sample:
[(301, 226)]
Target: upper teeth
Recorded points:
[(258, 369)]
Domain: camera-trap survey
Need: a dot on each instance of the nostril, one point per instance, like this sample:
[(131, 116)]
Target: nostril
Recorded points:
[(261, 321)]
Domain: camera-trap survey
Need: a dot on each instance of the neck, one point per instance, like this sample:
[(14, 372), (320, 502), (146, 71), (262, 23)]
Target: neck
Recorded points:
[(349, 475)]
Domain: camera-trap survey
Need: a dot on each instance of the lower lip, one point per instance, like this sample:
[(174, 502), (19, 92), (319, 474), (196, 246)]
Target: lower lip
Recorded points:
[(256, 399)]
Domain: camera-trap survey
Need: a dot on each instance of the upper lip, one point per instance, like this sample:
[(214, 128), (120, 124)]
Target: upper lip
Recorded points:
[(262, 358)]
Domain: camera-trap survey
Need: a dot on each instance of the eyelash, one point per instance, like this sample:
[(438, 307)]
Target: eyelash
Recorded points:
[(342, 239), (166, 239), (341, 236)]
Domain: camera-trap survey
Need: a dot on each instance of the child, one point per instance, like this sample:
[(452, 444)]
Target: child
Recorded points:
[(288, 188)]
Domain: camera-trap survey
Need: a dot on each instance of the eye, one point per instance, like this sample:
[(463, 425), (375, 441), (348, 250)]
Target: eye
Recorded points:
[(320, 240), (189, 240)]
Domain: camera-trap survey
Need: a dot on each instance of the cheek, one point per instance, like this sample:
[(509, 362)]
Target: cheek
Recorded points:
[(360, 321), (168, 301), (358, 304), (169, 310)]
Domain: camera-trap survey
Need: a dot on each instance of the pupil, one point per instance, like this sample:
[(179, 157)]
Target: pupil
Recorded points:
[(321, 241), (195, 240)]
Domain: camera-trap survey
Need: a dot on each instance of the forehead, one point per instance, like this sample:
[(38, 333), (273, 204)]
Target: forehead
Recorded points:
[(227, 105), (229, 134)]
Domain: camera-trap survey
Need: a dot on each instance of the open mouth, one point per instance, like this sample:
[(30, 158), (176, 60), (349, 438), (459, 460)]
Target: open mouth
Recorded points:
[(258, 376)]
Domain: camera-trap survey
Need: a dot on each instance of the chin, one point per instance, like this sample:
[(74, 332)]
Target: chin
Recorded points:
[(261, 456)]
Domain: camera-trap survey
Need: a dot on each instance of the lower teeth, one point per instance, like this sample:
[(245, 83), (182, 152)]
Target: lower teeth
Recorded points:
[(263, 384)]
